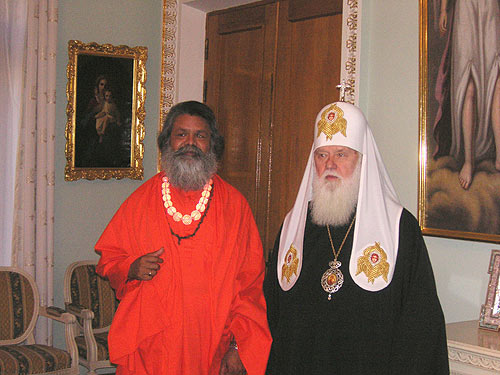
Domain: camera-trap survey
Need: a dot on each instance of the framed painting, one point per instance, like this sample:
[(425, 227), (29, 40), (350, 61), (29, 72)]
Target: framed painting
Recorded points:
[(490, 311), (459, 83), (105, 113)]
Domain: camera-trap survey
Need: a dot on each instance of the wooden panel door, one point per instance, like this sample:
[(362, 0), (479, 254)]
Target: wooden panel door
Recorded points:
[(271, 66), (307, 73), (238, 77)]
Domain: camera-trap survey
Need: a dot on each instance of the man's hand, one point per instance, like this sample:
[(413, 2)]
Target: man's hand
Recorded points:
[(231, 363), (146, 267)]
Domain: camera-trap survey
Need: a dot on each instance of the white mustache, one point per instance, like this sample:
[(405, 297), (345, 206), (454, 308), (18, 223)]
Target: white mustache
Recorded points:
[(330, 172)]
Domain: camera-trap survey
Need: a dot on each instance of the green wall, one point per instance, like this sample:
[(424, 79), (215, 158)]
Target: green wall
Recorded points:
[(83, 208), (390, 97)]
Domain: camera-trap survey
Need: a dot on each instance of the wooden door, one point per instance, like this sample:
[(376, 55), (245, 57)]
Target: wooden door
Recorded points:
[(307, 73), (238, 87), (270, 67)]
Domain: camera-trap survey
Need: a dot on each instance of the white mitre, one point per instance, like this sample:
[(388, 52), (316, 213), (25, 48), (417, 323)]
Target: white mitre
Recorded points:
[(376, 233)]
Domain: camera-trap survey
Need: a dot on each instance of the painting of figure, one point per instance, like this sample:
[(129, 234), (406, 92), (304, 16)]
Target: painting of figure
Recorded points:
[(462, 119), (104, 89), (105, 113)]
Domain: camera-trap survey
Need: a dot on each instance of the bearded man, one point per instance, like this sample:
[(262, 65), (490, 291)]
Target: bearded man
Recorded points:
[(350, 288), (185, 258)]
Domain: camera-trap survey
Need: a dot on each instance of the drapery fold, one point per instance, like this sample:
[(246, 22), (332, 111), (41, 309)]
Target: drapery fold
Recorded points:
[(33, 232), (13, 21)]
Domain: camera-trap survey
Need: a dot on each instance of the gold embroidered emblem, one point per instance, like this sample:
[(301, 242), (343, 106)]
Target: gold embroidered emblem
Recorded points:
[(291, 264), (332, 121), (373, 263)]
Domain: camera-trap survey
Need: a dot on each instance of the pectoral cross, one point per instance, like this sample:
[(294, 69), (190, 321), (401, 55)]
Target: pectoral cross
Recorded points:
[(342, 87)]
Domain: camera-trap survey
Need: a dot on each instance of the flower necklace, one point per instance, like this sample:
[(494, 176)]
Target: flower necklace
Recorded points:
[(197, 214), (332, 279)]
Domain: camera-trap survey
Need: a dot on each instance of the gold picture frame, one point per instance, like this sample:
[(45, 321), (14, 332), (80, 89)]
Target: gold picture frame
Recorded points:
[(447, 207), (490, 311), (106, 95)]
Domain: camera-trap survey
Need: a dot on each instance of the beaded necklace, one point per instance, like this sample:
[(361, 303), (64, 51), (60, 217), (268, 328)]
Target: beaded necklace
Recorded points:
[(198, 214), (195, 214)]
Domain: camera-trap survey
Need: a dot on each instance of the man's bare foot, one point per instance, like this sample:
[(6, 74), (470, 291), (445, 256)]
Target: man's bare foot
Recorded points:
[(465, 176)]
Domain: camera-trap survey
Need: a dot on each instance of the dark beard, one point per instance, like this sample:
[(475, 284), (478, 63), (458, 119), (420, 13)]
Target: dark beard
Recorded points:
[(188, 172)]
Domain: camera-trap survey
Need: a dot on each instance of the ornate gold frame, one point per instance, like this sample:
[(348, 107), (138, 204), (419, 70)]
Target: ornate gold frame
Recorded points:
[(138, 76), (351, 35), (445, 210), (490, 311), (169, 44), (168, 58)]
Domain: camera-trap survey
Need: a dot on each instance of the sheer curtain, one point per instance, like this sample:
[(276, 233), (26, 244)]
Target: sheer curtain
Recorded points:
[(30, 40), (13, 20)]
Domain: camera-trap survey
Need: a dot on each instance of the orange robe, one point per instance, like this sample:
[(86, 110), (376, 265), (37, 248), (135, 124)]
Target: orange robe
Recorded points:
[(208, 288)]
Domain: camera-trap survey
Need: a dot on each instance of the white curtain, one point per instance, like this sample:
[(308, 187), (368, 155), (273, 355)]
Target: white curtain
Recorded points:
[(32, 245), (13, 20)]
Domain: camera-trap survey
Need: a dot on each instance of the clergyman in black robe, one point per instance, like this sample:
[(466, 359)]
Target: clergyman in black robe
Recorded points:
[(377, 312)]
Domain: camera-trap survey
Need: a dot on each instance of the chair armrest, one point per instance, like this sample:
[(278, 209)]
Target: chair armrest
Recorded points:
[(86, 324), (58, 314), (54, 310), (70, 329), (80, 311)]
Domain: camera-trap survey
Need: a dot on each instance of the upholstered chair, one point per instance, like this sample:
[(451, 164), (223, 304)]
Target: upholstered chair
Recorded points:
[(92, 300), (19, 311)]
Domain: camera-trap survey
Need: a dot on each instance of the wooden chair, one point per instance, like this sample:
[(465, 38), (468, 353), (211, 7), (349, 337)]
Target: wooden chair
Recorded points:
[(19, 311), (92, 300)]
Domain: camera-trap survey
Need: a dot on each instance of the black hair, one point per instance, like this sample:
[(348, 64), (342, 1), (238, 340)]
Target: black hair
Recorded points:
[(192, 108)]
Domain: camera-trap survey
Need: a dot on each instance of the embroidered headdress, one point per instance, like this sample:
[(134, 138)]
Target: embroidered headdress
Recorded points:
[(376, 234)]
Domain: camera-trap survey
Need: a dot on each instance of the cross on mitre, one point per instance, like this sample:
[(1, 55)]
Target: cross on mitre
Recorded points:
[(342, 87)]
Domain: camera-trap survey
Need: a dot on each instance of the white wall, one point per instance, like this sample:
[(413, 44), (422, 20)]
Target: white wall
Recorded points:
[(191, 25)]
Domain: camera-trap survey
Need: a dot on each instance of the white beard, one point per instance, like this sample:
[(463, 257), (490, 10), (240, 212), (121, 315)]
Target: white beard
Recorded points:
[(334, 202)]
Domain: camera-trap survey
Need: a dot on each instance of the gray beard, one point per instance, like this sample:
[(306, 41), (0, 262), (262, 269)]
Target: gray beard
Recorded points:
[(188, 172), (334, 202)]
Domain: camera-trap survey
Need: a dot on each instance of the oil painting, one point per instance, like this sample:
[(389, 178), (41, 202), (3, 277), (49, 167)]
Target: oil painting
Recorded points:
[(459, 180)]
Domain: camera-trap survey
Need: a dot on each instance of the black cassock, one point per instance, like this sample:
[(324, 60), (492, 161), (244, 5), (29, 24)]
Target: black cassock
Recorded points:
[(398, 330)]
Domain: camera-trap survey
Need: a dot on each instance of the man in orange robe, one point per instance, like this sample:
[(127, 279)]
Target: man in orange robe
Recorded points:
[(185, 258)]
